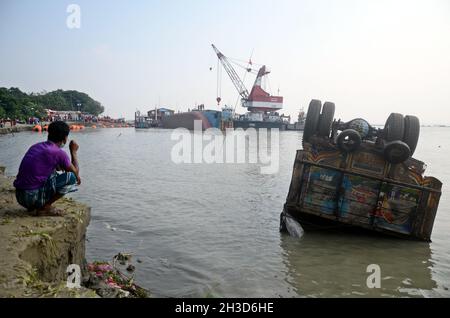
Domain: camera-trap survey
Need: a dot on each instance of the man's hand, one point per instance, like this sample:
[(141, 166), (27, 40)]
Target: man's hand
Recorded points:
[(73, 146), (74, 166)]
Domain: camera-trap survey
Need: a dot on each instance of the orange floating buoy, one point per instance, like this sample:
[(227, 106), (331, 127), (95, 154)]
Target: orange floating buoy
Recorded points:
[(45, 128), (37, 128), (81, 127), (93, 126)]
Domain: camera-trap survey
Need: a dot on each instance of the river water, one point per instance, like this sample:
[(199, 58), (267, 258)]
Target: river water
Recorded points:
[(211, 230)]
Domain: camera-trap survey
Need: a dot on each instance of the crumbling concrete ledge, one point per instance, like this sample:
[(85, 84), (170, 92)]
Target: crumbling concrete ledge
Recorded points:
[(15, 129), (35, 251)]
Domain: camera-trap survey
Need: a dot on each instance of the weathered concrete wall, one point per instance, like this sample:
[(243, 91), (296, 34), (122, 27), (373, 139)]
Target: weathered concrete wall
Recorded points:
[(15, 129), (35, 251)]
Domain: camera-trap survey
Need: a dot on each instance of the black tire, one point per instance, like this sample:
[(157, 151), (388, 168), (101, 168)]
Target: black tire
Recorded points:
[(394, 127), (396, 151), (312, 119), (349, 140), (326, 119), (412, 131)]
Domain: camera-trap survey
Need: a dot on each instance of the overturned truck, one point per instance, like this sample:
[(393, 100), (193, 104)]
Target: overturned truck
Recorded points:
[(353, 176)]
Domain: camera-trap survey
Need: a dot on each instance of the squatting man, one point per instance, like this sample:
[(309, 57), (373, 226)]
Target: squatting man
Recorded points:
[(46, 173)]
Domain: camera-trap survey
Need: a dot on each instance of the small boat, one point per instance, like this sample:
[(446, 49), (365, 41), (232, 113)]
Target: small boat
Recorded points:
[(299, 124)]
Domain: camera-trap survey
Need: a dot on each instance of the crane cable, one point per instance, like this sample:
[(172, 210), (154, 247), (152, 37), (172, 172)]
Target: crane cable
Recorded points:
[(235, 61), (219, 79), (246, 68), (243, 80)]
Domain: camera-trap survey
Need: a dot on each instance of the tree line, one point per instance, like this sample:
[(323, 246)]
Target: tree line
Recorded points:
[(15, 104)]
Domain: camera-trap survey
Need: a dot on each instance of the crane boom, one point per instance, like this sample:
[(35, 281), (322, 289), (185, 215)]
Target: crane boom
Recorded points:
[(232, 73)]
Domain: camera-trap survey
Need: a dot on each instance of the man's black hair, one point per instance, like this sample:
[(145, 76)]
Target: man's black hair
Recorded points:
[(58, 131)]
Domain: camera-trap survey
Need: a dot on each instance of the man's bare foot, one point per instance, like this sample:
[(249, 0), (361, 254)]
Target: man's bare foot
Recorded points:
[(50, 211)]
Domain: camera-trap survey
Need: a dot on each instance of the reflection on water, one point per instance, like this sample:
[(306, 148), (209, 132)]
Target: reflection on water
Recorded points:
[(212, 229), (328, 264)]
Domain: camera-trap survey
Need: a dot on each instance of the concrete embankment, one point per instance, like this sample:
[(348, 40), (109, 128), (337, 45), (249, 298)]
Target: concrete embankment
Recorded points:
[(35, 251), (15, 129)]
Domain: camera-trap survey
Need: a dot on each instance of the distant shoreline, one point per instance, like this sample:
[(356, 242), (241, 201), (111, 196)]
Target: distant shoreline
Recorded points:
[(25, 127), (15, 129)]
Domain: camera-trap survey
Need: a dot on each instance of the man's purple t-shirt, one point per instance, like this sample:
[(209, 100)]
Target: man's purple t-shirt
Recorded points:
[(38, 164)]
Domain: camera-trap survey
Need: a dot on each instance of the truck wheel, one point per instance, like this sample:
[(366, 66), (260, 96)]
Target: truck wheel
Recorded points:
[(396, 151), (412, 131), (349, 140), (312, 119), (326, 119), (394, 127)]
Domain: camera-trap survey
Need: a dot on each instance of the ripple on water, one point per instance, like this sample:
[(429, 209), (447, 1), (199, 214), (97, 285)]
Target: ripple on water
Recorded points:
[(212, 230)]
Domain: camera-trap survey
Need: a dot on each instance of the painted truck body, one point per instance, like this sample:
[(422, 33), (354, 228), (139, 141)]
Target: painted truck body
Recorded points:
[(361, 190)]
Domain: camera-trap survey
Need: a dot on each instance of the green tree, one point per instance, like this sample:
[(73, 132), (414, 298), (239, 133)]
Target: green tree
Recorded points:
[(16, 104)]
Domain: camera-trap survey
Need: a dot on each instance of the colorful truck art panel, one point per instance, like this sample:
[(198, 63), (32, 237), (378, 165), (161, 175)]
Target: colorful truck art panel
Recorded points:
[(396, 208), (335, 190), (321, 193), (366, 162), (360, 196), (324, 155)]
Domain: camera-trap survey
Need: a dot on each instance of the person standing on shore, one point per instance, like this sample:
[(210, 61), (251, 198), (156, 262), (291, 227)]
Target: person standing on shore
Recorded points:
[(38, 183)]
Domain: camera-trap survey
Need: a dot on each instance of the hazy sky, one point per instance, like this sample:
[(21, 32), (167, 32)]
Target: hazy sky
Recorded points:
[(369, 57)]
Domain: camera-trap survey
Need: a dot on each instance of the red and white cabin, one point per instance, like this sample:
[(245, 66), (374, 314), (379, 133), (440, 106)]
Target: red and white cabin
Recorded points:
[(259, 99)]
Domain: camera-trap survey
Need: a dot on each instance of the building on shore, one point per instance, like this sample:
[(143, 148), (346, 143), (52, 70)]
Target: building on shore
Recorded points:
[(70, 115), (153, 118), (159, 113)]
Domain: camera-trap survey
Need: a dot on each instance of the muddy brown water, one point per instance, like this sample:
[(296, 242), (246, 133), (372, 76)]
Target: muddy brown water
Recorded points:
[(212, 229)]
